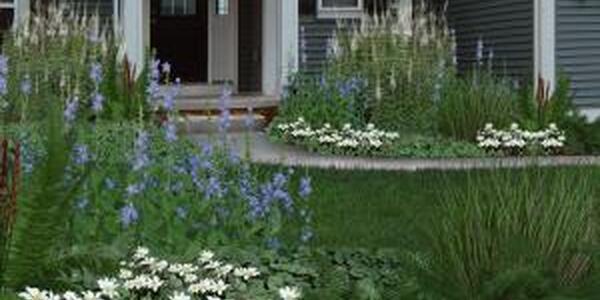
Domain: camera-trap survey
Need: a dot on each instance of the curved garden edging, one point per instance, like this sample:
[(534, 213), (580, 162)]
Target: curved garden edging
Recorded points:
[(264, 151)]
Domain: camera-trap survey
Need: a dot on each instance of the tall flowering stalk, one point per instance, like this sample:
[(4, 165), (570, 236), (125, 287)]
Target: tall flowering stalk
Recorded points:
[(10, 167)]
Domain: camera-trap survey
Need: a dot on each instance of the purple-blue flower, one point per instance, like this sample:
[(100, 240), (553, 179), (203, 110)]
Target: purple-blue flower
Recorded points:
[(169, 100), (134, 189), (213, 188), (110, 184), (170, 131), (155, 69), (3, 65), (70, 112), (96, 73), (97, 102), (153, 89), (3, 86), (140, 156), (82, 203), (305, 187), (166, 68), (81, 155), (26, 86), (225, 117), (129, 215), (181, 212)]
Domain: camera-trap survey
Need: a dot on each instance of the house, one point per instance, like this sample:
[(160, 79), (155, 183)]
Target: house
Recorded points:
[(255, 44), (532, 38)]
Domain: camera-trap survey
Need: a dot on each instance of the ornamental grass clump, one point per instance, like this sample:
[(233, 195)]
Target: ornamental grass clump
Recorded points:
[(507, 235)]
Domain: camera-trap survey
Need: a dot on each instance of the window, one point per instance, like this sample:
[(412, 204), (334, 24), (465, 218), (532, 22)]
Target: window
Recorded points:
[(340, 8), (222, 7), (7, 4), (177, 7)]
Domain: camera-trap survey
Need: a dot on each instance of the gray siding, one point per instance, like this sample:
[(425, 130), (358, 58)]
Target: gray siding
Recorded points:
[(506, 26), (314, 40), (578, 47)]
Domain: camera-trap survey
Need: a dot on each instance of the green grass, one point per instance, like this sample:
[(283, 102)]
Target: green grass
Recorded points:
[(376, 209)]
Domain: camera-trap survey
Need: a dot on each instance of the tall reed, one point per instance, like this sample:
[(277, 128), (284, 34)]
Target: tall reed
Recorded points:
[(509, 234)]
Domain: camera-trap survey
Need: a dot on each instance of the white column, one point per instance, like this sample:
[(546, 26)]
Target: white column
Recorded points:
[(545, 42), (270, 46), (22, 11), (134, 31), (280, 43), (289, 39)]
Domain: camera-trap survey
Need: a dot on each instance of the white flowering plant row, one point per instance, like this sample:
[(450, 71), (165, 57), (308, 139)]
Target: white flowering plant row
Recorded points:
[(146, 277), (347, 140), (517, 141)]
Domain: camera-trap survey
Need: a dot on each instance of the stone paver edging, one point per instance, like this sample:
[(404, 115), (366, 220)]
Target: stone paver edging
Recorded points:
[(265, 152)]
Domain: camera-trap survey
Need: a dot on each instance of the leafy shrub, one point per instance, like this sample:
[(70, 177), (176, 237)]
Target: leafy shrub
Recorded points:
[(514, 236), (329, 99)]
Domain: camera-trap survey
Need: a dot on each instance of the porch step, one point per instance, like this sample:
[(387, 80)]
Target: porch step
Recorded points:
[(238, 102), (187, 91), (201, 124)]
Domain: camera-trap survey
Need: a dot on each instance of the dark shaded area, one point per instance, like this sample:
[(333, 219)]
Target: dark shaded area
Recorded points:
[(250, 49)]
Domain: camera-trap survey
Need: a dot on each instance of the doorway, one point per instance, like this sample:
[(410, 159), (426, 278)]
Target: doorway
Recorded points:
[(179, 35)]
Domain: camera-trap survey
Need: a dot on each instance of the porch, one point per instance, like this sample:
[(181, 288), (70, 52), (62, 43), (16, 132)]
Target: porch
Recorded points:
[(200, 106), (250, 45)]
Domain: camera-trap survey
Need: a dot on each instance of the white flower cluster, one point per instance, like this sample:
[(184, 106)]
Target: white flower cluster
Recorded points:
[(346, 138), (144, 275), (515, 139)]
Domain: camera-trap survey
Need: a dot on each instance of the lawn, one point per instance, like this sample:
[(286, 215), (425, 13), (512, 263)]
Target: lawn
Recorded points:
[(380, 209)]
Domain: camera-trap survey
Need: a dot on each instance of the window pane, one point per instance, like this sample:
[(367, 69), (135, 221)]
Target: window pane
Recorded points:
[(7, 3), (177, 7), (340, 3), (222, 7)]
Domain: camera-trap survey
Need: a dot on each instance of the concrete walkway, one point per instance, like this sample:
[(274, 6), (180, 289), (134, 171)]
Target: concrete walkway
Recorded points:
[(263, 151)]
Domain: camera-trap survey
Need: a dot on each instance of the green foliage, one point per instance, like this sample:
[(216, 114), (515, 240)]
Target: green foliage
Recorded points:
[(528, 235), (43, 210), (539, 111), (413, 146), (468, 103), (402, 71), (186, 198), (54, 54), (332, 273), (332, 99)]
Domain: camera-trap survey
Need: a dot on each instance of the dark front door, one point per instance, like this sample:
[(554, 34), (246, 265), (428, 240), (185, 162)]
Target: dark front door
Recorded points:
[(250, 41), (179, 35)]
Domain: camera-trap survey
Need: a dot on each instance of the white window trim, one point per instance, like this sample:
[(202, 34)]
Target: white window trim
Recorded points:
[(7, 5), (340, 12)]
